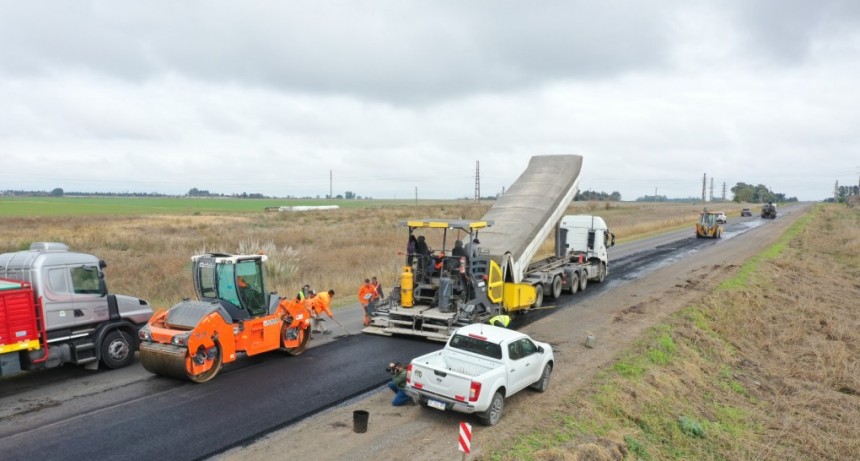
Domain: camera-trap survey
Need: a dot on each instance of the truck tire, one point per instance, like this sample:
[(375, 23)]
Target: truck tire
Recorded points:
[(556, 287), (542, 384), (601, 276), (493, 415), (117, 349), (574, 284), (583, 282), (538, 297)]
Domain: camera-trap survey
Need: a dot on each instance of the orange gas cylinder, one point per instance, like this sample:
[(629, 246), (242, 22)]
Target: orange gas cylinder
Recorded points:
[(406, 287)]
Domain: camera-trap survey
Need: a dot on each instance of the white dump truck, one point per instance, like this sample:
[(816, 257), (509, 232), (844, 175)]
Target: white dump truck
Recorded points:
[(495, 272), (55, 309)]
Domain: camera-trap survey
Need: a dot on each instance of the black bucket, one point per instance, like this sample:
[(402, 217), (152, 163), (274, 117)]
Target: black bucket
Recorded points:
[(359, 421)]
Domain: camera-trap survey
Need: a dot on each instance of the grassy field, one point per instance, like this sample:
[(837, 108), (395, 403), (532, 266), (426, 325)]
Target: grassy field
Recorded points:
[(148, 243), (764, 368), (124, 206)]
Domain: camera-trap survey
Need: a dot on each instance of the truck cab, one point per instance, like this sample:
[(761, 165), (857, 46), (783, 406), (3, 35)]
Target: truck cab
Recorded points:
[(83, 323)]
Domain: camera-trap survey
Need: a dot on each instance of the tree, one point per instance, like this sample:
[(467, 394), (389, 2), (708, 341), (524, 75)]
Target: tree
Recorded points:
[(58, 192)]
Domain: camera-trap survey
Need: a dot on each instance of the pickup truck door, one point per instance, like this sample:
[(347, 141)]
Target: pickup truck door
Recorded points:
[(524, 366)]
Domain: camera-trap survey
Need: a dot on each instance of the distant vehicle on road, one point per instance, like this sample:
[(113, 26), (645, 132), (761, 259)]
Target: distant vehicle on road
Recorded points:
[(722, 218), (746, 212)]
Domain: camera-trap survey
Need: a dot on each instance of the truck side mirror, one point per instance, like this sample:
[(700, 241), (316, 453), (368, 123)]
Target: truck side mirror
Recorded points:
[(540, 349), (102, 264)]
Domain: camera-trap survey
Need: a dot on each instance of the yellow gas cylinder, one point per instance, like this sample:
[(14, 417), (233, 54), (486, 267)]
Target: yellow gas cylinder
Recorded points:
[(406, 287)]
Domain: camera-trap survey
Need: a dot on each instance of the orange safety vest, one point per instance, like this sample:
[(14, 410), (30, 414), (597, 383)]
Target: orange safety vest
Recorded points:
[(321, 303), (363, 291)]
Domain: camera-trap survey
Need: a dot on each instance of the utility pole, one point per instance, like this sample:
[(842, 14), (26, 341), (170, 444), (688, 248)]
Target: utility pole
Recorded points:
[(477, 181), (712, 190), (836, 192), (724, 191), (704, 184), (655, 194)]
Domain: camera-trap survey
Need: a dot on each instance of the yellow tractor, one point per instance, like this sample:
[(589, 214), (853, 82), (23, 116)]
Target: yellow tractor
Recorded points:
[(709, 226)]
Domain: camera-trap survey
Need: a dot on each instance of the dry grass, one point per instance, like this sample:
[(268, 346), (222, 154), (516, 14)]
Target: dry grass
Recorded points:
[(766, 368), (149, 256)]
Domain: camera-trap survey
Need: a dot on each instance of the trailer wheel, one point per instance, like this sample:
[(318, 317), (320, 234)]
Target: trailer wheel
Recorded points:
[(556, 287), (117, 349), (574, 283), (583, 282), (601, 276), (538, 296)]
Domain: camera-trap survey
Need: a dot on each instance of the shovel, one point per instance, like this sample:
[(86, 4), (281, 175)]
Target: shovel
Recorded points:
[(340, 325)]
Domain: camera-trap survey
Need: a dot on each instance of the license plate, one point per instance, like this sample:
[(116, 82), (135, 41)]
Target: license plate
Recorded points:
[(436, 404)]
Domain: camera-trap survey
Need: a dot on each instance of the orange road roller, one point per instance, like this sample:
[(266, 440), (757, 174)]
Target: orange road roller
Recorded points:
[(233, 314)]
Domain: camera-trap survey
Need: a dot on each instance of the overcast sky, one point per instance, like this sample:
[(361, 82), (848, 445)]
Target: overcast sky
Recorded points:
[(270, 96)]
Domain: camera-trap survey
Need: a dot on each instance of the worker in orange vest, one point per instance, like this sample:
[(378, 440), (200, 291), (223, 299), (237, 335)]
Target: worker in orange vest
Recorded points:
[(366, 296), (321, 304)]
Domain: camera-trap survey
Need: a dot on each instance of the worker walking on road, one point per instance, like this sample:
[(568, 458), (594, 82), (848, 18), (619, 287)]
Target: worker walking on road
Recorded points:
[(321, 303), (366, 295)]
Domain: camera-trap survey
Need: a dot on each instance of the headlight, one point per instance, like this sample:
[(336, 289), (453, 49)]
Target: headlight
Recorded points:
[(180, 340), (144, 334)]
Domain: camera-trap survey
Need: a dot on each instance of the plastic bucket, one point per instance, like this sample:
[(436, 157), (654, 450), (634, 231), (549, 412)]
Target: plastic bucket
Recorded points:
[(359, 421)]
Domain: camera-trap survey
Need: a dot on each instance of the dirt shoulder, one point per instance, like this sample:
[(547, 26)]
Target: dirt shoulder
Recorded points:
[(616, 318)]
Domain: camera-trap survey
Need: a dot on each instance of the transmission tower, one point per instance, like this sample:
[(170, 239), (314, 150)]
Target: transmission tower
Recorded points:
[(724, 191), (704, 184), (712, 190), (477, 180)]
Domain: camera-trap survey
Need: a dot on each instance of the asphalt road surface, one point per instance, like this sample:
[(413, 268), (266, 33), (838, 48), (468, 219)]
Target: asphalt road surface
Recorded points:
[(70, 413)]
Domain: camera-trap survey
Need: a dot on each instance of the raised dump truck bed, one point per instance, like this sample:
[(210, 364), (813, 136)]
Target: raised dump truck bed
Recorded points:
[(526, 214)]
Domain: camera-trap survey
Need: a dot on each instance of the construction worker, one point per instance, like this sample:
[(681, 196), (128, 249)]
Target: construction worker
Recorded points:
[(366, 295), (304, 293), (321, 304), (398, 383), (501, 321), (378, 287)]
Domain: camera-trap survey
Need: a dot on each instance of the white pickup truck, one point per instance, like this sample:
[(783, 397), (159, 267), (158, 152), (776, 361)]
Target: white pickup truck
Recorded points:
[(479, 367)]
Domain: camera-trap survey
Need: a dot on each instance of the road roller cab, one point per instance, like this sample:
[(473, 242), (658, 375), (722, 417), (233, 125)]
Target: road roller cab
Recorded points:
[(233, 314)]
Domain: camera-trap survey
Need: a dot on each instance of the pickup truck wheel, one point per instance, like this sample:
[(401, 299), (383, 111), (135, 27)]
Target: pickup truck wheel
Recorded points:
[(117, 349), (494, 413), (574, 283), (542, 384), (556, 287)]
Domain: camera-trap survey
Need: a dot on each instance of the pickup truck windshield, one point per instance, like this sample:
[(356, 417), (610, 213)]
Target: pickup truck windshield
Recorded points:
[(477, 346)]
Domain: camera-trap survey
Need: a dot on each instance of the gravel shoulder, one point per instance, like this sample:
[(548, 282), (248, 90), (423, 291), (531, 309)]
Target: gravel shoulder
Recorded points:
[(616, 318)]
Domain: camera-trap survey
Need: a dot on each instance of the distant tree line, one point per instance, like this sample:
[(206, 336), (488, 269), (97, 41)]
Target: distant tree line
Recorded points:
[(663, 198), (842, 194), (586, 195), (749, 193)]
